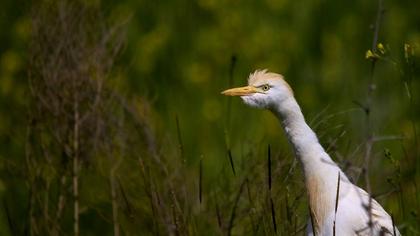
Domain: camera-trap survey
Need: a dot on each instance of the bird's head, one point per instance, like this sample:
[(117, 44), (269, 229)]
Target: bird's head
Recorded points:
[(264, 90)]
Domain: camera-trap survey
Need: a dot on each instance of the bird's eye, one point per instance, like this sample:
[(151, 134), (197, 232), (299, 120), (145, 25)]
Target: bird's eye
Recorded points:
[(265, 87)]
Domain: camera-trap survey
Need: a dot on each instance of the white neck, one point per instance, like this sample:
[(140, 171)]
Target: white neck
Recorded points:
[(304, 141), (319, 170)]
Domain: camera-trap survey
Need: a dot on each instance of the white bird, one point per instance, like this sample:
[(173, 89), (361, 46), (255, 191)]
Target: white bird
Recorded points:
[(322, 175)]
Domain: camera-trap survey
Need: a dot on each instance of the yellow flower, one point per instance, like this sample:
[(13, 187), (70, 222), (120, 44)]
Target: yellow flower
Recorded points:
[(371, 55), (381, 48)]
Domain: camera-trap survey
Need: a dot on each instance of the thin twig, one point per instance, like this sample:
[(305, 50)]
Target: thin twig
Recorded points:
[(368, 107), (76, 166)]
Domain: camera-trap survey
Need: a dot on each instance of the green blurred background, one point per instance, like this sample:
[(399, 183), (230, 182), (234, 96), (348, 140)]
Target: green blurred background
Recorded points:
[(178, 56)]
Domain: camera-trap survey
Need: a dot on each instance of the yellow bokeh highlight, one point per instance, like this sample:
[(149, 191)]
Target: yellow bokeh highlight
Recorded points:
[(23, 28), (10, 62), (6, 85), (212, 109), (198, 72), (149, 46)]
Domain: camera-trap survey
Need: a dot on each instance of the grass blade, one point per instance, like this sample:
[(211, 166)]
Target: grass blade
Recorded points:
[(336, 201), (235, 205), (269, 167), (393, 225), (200, 181), (232, 165), (273, 215), (311, 216), (180, 144)]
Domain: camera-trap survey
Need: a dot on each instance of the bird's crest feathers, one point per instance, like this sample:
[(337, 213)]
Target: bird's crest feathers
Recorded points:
[(265, 75)]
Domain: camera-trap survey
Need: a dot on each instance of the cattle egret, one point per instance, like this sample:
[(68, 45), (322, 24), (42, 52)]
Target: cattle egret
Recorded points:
[(353, 215)]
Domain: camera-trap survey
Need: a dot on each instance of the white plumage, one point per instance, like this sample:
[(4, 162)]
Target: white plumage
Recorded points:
[(270, 91)]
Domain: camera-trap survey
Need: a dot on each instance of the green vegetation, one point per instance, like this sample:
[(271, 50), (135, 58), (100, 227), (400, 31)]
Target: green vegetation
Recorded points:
[(112, 122)]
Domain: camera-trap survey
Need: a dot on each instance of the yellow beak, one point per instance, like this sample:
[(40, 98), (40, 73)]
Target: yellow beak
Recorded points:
[(241, 91)]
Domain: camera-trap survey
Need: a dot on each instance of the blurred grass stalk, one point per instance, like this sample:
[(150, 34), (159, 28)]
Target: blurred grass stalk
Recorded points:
[(71, 55)]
